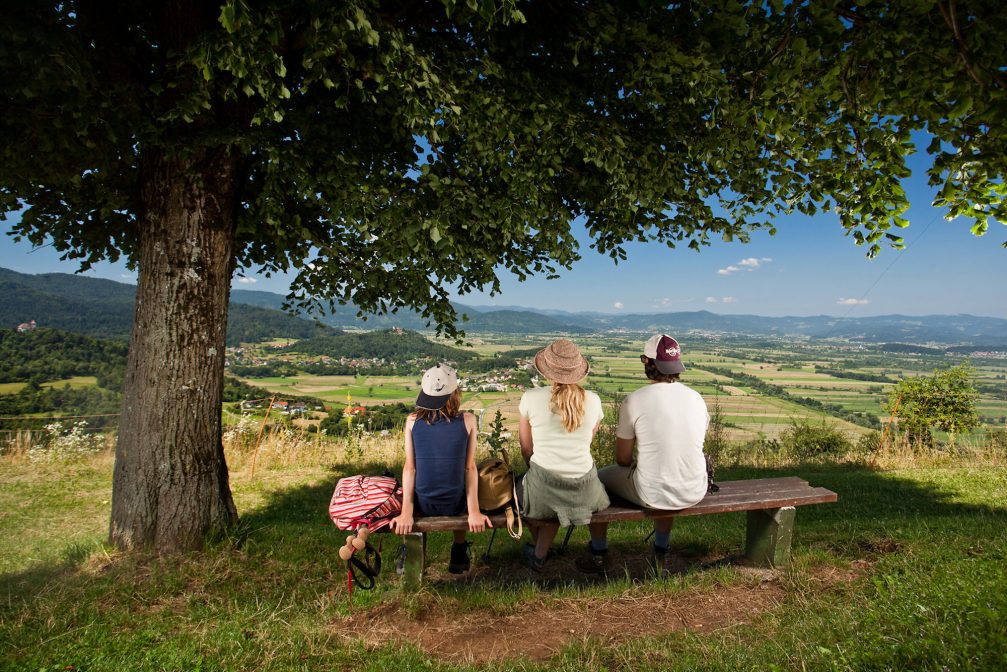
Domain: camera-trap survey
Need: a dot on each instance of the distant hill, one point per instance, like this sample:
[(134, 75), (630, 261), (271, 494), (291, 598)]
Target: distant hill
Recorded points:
[(876, 329), (104, 309), (89, 306), (496, 321), (49, 354), (519, 322), (391, 345), (968, 329)]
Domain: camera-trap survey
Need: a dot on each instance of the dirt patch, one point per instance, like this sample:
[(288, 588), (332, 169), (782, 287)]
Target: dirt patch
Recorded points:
[(541, 628)]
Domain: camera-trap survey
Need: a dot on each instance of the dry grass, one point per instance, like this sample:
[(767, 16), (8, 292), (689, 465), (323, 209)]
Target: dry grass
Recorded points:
[(899, 453), (282, 449)]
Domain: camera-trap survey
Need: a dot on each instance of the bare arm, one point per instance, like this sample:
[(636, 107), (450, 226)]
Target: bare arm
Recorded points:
[(477, 521), (624, 451), (403, 523), (524, 438)]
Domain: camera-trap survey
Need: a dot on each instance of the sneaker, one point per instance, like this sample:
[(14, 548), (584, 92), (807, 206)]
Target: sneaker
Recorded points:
[(460, 562), (534, 562), (595, 562), (660, 559)]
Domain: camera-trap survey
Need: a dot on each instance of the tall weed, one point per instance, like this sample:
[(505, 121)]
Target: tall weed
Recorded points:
[(63, 443)]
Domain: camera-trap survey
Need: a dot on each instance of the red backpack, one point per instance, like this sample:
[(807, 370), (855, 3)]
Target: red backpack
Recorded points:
[(365, 501)]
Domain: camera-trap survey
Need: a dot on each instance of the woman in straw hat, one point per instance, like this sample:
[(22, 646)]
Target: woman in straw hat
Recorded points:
[(439, 477), (557, 426)]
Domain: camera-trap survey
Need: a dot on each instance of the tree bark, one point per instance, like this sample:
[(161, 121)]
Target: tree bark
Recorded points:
[(170, 485)]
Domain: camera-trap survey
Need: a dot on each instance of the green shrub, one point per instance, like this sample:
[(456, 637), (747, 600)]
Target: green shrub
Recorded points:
[(868, 444), (603, 446), (804, 440), (716, 441)]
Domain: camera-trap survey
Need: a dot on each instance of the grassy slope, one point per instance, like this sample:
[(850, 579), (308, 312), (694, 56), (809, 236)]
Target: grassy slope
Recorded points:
[(934, 593)]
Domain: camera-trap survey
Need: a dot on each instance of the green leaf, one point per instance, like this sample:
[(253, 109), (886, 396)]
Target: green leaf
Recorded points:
[(227, 17)]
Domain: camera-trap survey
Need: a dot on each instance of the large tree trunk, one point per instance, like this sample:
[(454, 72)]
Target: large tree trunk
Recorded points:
[(170, 487)]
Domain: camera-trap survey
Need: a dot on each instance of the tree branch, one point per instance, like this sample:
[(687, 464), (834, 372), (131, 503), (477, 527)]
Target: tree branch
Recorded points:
[(950, 15)]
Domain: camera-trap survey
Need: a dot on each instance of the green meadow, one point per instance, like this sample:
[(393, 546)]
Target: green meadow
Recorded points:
[(907, 571)]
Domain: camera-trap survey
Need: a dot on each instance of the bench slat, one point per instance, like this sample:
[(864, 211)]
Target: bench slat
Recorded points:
[(745, 495), (760, 483)]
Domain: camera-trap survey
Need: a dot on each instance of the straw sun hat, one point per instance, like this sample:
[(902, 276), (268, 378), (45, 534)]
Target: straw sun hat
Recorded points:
[(561, 362)]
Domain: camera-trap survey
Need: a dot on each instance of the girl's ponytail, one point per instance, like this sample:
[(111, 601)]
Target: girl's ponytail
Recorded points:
[(567, 401)]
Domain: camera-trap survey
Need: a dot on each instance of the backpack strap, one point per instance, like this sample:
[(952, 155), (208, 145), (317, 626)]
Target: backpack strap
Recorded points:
[(513, 511), (711, 487)]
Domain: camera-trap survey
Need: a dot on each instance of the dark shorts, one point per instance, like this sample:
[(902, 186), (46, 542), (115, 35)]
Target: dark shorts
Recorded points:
[(433, 507)]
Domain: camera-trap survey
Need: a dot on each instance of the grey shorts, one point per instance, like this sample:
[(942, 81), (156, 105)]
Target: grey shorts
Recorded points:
[(570, 500), (619, 481)]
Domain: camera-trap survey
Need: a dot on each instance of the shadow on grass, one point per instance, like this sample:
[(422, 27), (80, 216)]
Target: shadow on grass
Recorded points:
[(874, 509), (877, 512)]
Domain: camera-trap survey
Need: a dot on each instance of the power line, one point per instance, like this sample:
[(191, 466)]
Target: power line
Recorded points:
[(882, 275)]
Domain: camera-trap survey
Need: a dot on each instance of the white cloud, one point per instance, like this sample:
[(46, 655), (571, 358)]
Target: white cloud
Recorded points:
[(617, 305), (247, 281), (852, 302), (662, 303), (712, 299), (721, 299), (729, 299), (748, 264)]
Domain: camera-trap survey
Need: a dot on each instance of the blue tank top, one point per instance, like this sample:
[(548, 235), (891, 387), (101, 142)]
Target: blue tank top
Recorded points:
[(440, 449)]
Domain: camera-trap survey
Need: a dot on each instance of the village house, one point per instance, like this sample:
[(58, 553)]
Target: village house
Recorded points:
[(26, 326)]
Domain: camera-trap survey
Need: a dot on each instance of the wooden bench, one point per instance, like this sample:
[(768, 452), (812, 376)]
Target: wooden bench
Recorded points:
[(770, 503)]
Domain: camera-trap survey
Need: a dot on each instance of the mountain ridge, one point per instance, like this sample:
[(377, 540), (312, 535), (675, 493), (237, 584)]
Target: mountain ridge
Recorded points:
[(103, 308)]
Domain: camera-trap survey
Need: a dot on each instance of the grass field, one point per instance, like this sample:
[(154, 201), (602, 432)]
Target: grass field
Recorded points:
[(75, 382), (362, 389), (907, 571)]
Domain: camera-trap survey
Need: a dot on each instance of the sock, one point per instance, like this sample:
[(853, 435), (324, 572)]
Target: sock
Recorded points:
[(662, 539), (599, 545)]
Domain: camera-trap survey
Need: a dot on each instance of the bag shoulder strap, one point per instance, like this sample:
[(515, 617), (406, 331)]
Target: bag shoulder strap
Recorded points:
[(512, 511)]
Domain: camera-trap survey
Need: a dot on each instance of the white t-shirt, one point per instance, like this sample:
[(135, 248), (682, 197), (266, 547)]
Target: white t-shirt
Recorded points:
[(566, 454), (668, 421)]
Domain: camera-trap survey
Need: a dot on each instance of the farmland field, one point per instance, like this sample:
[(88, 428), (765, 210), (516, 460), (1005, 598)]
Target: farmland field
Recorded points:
[(759, 387)]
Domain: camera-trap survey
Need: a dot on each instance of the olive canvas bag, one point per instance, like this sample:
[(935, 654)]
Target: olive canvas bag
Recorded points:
[(498, 491)]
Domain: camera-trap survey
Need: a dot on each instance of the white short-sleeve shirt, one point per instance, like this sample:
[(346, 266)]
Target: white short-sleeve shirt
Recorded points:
[(566, 454), (668, 421)]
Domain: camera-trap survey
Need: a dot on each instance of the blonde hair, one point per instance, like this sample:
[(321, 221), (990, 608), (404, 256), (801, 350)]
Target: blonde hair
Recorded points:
[(567, 401), (450, 410)]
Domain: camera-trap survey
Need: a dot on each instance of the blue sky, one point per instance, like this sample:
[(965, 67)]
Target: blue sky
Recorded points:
[(808, 268)]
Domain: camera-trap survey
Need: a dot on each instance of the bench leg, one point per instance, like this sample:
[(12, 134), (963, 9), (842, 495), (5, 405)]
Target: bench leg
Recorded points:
[(770, 531), (416, 552)]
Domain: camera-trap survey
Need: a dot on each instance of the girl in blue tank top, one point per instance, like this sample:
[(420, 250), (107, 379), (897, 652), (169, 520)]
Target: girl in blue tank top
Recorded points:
[(439, 477)]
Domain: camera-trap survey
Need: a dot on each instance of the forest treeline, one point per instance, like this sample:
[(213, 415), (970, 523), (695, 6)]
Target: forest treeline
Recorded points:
[(51, 354), (391, 345)]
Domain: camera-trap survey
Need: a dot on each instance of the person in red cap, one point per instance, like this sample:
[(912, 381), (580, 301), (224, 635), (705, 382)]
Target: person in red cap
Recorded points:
[(666, 422)]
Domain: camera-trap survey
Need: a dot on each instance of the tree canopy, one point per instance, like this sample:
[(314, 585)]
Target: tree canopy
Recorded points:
[(393, 151)]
